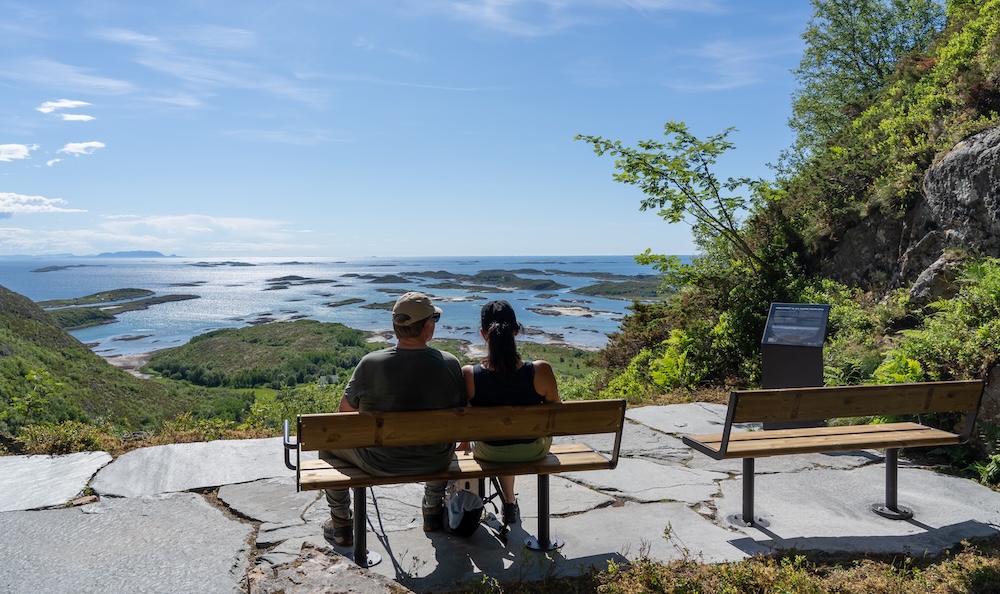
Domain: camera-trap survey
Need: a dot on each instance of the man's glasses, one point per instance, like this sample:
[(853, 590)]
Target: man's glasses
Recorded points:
[(435, 316)]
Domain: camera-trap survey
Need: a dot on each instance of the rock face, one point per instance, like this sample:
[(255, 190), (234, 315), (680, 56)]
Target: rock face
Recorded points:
[(960, 212)]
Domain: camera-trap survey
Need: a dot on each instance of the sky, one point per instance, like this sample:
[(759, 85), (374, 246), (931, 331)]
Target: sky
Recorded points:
[(350, 128)]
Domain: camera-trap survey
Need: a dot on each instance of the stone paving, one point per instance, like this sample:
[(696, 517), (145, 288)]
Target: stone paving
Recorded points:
[(224, 517)]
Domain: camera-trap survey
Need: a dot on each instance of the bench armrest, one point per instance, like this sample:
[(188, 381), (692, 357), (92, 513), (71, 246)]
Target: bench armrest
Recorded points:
[(289, 446)]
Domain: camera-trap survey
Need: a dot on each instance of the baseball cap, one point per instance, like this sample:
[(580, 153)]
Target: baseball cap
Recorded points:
[(412, 307)]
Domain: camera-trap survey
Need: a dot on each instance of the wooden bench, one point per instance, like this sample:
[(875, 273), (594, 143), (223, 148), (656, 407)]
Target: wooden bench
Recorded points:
[(824, 403), (319, 432)]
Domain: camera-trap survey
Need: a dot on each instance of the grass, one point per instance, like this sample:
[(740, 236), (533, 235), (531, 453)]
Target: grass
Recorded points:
[(972, 568)]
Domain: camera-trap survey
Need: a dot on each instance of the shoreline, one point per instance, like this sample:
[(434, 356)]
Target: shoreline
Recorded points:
[(134, 362)]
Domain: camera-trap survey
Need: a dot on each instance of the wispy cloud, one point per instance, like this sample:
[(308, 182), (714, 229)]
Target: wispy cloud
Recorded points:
[(294, 137), (12, 152), (725, 65), (193, 57), (50, 73), (197, 228), (81, 148), (52, 162), (20, 204), (535, 18)]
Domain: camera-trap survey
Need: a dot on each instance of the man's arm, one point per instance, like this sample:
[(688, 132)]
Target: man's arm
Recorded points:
[(345, 406)]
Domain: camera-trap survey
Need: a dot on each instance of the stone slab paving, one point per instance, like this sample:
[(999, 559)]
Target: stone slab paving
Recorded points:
[(694, 418), (184, 466), (648, 481), (147, 534), (36, 482), (167, 543), (828, 510)]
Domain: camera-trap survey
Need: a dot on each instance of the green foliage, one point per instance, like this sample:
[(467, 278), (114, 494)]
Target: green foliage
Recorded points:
[(270, 412), (677, 178), (961, 338), (634, 383), (578, 388), (65, 437), (851, 49), (671, 369), (936, 101)]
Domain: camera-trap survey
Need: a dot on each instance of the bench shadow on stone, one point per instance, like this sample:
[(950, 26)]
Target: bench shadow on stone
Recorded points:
[(916, 544), (483, 555)]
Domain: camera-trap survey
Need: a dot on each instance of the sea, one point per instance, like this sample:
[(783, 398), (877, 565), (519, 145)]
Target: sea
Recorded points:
[(236, 293)]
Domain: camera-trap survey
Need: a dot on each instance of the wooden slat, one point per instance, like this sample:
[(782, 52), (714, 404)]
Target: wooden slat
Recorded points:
[(355, 430), (789, 404), (334, 473), (809, 432), (798, 441)]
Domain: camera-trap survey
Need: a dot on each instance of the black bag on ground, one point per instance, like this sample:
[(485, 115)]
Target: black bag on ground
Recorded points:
[(463, 509)]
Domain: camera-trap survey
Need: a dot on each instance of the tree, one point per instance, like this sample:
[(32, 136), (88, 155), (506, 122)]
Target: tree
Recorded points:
[(677, 178), (852, 48)]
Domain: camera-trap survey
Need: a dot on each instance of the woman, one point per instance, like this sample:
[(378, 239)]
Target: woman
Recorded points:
[(504, 379)]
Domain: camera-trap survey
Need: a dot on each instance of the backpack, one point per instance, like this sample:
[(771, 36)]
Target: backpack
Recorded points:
[(463, 508)]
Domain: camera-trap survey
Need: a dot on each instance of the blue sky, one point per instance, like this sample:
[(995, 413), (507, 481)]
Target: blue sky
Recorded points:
[(342, 128)]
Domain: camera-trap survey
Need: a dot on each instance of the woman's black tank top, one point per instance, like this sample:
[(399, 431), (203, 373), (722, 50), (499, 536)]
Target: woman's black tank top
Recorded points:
[(495, 390)]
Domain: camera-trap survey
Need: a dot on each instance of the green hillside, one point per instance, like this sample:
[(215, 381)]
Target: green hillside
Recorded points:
[(46, 375)]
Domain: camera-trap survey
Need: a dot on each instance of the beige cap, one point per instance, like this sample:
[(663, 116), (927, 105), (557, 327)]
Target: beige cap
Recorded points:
[(412, 307)]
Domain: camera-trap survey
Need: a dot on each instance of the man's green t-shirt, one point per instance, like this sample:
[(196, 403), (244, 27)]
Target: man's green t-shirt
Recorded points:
[(395, 379)]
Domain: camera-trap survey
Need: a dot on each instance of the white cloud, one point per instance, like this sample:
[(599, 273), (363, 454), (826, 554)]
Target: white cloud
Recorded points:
[(19, 203), (76, 117), (10, 152), (52, 162), (50, 106), (81, 148)]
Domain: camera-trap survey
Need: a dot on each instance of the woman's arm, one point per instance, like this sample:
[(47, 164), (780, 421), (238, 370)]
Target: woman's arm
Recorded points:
[(545, 381)]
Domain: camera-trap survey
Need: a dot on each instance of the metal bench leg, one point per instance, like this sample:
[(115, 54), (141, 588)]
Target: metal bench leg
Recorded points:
[(891, 509), (544, 542), (747, 519), (362, 556)]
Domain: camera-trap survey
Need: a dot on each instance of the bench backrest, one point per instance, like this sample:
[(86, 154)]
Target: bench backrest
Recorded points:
[(831, 402), (332, 431)]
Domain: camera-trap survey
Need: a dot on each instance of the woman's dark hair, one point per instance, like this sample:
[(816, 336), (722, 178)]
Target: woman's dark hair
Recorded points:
[(500, 324)]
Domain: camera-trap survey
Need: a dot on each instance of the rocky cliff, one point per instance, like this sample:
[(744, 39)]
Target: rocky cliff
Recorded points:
[(958, 216)]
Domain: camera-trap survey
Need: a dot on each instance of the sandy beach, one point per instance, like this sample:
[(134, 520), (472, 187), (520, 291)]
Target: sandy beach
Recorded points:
[(131, 363)]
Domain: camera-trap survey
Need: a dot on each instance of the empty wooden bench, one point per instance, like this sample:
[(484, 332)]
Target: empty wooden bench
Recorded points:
[(333, 431), (825, 403)]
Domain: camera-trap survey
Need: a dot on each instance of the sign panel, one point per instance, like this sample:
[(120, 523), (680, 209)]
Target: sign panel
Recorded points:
[(796, 324)]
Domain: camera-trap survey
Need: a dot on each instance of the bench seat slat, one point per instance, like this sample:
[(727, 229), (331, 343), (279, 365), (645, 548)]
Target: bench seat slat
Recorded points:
[(759, 444), (335, 473)]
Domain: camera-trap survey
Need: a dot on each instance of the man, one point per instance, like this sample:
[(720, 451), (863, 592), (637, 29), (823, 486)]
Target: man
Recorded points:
[(408, 376)]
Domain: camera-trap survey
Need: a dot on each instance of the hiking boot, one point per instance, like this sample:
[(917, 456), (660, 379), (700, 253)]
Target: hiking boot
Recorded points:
[(339, 531), (433, 518), (511, 513)]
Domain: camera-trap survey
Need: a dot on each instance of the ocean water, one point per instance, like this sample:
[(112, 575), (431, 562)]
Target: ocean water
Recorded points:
[(238, 293)]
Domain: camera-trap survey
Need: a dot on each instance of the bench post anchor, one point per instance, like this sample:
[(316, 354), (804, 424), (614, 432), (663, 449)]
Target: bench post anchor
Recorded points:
[(747, 519), (544, 542), (362, 556), (891, 509)]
